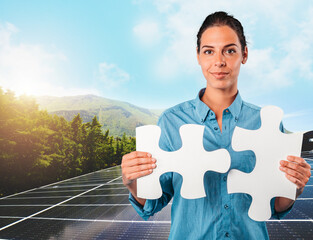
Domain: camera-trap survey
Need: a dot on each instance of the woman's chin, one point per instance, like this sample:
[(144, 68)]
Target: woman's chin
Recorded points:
[(222, 85)]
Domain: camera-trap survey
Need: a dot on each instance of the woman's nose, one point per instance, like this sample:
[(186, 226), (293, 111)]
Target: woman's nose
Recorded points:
[(220, 60)]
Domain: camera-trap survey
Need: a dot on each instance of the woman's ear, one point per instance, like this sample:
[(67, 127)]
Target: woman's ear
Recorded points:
[(245, 55), (198, 57)]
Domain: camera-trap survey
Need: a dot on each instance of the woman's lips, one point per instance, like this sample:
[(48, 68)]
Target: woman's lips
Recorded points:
[(219, 75)]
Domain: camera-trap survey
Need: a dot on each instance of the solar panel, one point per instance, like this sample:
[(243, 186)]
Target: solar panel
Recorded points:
[(96, 206)]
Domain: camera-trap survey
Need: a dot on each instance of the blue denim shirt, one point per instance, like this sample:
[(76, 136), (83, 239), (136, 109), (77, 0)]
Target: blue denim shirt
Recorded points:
[(219, 215)]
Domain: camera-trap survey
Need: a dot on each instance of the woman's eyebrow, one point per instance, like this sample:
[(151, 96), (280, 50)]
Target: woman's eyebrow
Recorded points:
[(207, 46), (228, 45)]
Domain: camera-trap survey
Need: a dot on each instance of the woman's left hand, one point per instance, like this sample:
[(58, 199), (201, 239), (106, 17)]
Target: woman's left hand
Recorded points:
[(297, 170)]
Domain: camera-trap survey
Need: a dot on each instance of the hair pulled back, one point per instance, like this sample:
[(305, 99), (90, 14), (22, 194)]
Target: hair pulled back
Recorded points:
[(222, 19)]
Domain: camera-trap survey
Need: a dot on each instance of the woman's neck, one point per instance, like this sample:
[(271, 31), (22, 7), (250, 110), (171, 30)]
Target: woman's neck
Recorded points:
[(218, 100)]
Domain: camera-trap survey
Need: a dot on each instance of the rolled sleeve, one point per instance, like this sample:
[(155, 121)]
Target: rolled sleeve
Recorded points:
[(144, 211), (279, 215), (155, 205)]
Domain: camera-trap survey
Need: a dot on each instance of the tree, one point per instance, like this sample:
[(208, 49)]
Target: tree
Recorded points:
[(38, 148)]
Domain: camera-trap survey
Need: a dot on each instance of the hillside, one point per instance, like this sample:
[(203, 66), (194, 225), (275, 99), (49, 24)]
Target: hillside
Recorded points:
[(117, 116)]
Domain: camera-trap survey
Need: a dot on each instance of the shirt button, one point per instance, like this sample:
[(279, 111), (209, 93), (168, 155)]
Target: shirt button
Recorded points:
[(225, 178), (211, 114), (236, 119), (215, 128), (226, 206), (227, 234)]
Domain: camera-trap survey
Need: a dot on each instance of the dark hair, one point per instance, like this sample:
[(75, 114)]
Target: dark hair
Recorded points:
[(222, 19)]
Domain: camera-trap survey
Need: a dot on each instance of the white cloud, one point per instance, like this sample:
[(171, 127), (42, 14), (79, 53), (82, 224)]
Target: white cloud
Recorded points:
[(111, 75), (284, 64), (297, 114), (147, 32), (263, 72), (272, 66), (299, 48), (6, 31), (165, 5), (32, 69)]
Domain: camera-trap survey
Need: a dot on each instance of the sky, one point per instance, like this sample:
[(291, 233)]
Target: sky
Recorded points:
[(144, 51)]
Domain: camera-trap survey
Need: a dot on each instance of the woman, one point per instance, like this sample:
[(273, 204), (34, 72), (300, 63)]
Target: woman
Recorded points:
[(221, 49)]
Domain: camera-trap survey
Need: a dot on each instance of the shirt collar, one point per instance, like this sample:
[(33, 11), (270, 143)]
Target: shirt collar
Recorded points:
[(235, 107), (203, 110)]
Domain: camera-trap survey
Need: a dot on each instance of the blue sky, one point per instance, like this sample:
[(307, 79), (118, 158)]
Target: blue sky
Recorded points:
[(143, 52)]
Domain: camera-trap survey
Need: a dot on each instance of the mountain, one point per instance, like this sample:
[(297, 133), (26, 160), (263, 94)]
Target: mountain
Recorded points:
[(117, 116)]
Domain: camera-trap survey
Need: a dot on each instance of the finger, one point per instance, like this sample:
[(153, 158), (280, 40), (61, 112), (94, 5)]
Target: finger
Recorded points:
[(294, 166), (304, 168), (141, 168), (296, 181), (292, 172), (298, 160), (138, 154), (297, 177), (137, 161), (130, 171), (136, 175)]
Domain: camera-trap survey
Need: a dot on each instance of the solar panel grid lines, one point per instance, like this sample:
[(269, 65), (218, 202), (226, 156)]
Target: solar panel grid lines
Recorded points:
[(105, 212), (51, 184), (46, 209)]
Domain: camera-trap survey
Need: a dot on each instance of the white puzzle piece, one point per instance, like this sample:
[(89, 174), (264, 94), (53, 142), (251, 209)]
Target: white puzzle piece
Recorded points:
[(191, 161), (270, 146)]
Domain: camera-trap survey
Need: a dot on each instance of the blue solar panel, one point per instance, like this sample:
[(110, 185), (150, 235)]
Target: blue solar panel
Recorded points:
[(96, 206)]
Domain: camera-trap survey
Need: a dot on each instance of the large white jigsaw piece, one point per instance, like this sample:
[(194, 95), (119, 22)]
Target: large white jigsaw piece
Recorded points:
[(191, 161), (270, 146)]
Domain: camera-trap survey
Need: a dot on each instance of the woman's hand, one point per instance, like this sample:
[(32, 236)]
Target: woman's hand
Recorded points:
[(135, 165), (297, 170)]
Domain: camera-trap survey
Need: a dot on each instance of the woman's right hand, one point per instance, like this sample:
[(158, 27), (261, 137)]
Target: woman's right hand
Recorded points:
[(135, 165)]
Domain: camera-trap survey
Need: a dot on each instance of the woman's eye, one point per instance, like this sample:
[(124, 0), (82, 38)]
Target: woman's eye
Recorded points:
[(230, 51), (208, 52)]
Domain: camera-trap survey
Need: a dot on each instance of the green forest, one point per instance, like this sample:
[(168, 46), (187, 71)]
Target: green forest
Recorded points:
[(37, 148)]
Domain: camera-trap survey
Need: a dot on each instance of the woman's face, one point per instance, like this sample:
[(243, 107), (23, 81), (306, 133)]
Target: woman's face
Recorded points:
[(220, 57)]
